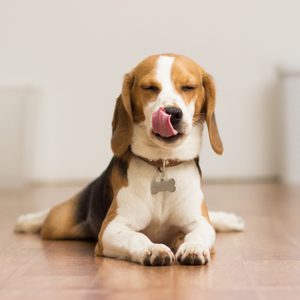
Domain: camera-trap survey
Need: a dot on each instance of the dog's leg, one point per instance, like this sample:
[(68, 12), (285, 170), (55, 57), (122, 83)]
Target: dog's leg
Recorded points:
[(198, 242), (120, 241)]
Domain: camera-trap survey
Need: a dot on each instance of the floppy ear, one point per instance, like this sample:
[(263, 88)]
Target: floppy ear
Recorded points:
[(122, 124), (209, 110)]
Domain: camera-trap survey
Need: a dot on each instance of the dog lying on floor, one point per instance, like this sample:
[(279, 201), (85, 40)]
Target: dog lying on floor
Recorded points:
[(148, 204)]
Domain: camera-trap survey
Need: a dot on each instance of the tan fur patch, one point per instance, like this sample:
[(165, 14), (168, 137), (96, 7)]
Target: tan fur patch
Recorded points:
[(60, 222), (144, 75), (178, 240), (186, 72), (204, 211), (210, 102), (122, 123)]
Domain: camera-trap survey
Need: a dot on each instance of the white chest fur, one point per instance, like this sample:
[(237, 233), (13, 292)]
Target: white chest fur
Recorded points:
[(161, 215)]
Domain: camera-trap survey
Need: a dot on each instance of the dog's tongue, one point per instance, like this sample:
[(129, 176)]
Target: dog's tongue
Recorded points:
[(161, 123)]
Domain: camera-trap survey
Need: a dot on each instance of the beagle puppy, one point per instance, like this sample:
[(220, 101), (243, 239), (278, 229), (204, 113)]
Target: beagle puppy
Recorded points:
[(148, 206)]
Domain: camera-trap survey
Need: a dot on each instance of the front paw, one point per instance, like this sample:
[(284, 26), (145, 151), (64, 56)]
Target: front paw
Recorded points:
[(193, 254), (157, 255)]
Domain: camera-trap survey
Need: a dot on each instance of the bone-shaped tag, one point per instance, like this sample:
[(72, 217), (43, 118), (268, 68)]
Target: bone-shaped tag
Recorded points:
[(163, 186)]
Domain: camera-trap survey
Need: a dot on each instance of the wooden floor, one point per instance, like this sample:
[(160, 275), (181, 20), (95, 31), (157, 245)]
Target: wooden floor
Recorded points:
[(262, 263)]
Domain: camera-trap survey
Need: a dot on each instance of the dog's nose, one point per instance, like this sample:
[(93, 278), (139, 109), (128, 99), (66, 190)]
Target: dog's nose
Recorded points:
[(176, 114)]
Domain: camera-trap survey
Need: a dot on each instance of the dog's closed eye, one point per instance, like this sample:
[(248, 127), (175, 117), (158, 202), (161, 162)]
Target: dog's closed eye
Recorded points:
[(188, 88), (151, 88)]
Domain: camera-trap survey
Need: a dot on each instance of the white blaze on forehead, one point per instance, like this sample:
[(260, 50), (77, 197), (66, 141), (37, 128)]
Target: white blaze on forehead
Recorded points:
[(163, 74)]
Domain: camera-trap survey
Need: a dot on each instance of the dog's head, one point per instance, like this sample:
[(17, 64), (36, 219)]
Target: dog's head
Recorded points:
[(160, 113)]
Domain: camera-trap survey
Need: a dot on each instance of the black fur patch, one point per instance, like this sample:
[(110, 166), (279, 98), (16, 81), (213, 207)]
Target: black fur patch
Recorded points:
[(123, 166), (198, 166), (96, 198)]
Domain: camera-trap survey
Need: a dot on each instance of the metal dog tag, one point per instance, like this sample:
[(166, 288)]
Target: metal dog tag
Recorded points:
[(163, 186)]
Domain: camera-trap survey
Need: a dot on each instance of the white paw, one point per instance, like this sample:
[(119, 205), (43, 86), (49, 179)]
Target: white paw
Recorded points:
[(193, 254), (157, 255)]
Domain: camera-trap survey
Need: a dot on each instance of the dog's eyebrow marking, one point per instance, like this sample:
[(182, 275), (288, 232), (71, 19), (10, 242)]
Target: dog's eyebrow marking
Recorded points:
[(163, 73)]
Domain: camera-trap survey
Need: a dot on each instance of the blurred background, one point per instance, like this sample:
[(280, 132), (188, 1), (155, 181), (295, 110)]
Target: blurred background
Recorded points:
[(62, 64)]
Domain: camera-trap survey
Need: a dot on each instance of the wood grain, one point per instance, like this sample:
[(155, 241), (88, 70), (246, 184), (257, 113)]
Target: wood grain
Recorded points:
[(262, 263)]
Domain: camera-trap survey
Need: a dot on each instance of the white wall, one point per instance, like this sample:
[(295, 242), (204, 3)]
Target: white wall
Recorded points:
[(12, 123), (76, 52), (290, 131)]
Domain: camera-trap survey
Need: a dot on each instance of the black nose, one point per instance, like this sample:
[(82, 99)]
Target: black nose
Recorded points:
[(176, 114)]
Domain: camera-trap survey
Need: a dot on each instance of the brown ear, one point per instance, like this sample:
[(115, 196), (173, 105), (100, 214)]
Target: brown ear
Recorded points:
[(122, 124), (209, 106)]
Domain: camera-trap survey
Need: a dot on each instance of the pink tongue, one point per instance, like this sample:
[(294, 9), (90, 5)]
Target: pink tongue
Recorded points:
[(161, 123)]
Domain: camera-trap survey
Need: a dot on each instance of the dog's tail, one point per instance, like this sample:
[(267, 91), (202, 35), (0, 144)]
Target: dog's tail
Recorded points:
[(223, 221), (31, 223)]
